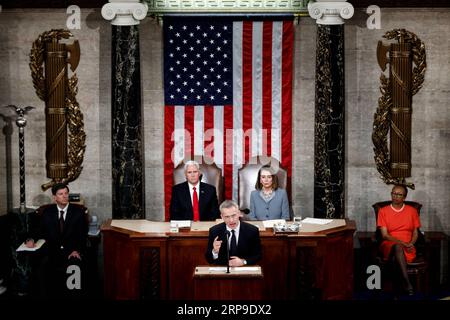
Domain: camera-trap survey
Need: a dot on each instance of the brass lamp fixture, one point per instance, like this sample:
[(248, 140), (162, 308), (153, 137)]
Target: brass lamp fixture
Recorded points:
[(21, 122)]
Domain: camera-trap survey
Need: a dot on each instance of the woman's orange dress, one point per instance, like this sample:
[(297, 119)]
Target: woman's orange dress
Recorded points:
[(400, 225)]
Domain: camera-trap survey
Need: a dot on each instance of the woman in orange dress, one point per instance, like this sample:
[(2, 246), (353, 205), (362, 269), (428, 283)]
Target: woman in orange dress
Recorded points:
[(399, 225)]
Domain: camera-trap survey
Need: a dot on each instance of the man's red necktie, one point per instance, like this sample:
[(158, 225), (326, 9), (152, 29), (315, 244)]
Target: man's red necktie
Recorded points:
[(195, 205)]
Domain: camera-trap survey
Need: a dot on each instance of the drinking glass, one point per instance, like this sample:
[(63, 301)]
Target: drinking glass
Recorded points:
[(298, 220)]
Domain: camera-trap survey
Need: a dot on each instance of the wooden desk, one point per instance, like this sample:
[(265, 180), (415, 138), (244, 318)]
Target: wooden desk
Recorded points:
[(236, 285), (140, 265)]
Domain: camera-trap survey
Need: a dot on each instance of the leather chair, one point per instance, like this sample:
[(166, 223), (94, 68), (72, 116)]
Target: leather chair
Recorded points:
[(417, 269), (210, 174), (248, 174)]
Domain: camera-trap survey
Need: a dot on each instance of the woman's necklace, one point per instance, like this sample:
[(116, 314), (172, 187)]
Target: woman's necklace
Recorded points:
[(267, 193), (398, 210)]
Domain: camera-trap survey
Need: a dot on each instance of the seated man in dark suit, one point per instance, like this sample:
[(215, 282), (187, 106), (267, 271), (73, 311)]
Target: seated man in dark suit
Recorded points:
[(192, 199), (245, 244), (64, 228)]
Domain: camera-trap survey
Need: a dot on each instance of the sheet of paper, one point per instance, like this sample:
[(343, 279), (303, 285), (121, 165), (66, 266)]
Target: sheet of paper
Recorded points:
[(202, 225), (317, 221), (142, 225), (235, 269), (243, 269), (311, 227), (271, 223), (256, 223), (181, 223), (37, 246), (259, 224), (218, 269)]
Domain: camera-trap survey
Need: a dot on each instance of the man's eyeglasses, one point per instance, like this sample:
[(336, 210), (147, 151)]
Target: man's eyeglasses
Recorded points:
[(398, 195)]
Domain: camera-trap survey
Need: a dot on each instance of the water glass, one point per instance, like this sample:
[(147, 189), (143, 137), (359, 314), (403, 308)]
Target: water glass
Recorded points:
[(298, 220)]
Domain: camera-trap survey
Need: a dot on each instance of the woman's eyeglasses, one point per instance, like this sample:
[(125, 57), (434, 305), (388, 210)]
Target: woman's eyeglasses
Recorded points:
[(398, 195)]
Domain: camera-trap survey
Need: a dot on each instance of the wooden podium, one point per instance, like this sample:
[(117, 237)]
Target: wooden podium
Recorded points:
[(242, 283), (144, 260)]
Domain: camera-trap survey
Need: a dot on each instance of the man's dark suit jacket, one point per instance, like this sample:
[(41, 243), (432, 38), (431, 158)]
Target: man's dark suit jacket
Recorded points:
[(74, 236), (248, 247), (181, 204)]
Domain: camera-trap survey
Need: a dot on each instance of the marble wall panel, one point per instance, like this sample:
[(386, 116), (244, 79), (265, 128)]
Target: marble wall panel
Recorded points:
[(431, 136)]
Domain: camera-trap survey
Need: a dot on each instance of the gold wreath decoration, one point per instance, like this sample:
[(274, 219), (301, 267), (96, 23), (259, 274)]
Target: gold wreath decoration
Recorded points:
[(382, 114), (77, 136)]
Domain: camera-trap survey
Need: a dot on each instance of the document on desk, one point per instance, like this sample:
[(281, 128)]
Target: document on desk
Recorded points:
[(271, 223), (258, 224), (246, 269), (181, 223), (235, 269), (217, 269), (37, 246), (317, 221), (141, 225), (202, 225)]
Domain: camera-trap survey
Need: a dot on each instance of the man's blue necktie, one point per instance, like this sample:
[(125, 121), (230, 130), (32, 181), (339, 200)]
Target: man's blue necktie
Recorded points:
[(233, 246), (61, 221)]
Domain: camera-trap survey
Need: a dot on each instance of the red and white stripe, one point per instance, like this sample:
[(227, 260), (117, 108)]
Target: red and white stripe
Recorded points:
[(258, 123)]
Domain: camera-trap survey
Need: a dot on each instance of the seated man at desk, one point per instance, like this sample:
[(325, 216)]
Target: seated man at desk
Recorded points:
[(192, 199), (244, 242), (64, 227)]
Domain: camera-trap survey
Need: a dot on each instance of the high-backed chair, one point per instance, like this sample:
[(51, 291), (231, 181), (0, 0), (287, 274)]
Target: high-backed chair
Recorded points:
[(417, 269), (210, 174), (248, 174)]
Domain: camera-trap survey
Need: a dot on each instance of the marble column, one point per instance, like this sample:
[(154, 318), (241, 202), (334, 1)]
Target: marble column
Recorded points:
[(127, 145), (329, 132)]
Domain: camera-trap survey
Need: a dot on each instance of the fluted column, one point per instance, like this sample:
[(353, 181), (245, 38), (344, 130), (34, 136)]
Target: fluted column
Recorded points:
[(127, 149), (329, 132)]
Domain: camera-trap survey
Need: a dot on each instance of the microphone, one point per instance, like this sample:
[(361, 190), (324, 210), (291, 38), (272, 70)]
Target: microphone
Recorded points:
[(227, 235)]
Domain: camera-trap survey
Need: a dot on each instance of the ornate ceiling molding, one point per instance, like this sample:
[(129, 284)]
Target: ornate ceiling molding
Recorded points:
[(163, 7), (99, 3)]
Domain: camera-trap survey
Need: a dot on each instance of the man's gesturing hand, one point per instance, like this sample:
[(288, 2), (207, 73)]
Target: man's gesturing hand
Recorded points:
[(216, 245)]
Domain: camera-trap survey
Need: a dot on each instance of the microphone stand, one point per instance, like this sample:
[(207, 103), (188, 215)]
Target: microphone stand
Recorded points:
[(228, 251)]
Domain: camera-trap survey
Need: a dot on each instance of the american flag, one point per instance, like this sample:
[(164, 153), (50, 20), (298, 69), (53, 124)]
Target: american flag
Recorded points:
[(228, 94)]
